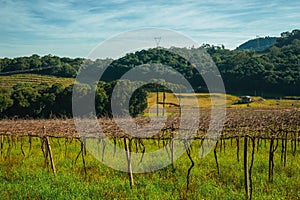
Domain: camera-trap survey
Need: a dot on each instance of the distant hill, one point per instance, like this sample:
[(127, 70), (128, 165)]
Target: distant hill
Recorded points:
[(258, 44), (276, 71)]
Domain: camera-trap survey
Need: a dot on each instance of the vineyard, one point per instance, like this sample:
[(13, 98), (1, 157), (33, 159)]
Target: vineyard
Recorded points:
[(11, 80), (247, 135)]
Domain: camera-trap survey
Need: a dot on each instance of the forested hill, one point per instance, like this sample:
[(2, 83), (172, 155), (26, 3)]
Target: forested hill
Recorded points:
[(258, 44), (275, 71), (264, 43), (46, 65)]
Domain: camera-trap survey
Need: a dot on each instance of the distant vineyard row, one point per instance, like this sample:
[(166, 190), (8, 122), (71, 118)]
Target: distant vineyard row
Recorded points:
[(9, 81), (238, 122)]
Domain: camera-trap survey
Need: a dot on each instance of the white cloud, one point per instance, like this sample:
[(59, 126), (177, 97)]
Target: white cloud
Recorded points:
[(35, 25)]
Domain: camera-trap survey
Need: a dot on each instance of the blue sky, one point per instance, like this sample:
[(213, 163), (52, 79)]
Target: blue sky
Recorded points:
[(74, 28)]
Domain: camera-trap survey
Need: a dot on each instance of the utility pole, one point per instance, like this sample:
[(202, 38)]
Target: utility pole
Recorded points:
[(257, 39), (157, 41)]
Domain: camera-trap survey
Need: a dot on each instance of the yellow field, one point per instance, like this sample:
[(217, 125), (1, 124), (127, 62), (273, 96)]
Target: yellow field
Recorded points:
[(204, 101)]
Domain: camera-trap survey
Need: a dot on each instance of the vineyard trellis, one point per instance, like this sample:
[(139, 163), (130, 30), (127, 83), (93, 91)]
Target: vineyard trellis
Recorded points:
[(252, 126)]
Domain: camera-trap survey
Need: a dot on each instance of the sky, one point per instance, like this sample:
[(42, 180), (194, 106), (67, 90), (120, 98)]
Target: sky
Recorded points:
[(74, 28)]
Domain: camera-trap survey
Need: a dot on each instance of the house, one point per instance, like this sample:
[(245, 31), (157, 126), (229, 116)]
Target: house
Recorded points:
[(246, 99)]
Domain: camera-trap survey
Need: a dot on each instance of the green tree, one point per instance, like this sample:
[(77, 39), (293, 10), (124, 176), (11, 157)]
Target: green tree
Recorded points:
[(25, 97), (101, 99), (5, 100)]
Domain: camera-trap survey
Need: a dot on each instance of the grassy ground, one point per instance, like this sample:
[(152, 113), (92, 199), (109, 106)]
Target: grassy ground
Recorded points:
[(26, 178)]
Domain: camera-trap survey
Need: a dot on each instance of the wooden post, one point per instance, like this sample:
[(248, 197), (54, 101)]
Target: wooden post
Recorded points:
[(22, 150), (157, 102), (14, 141), (1, 145), (282, 150), (172, 148), (51, 155), (83, 153), (238, 149), (48, 150), (251, 166), (216, 157), (30, 145), (9, 147), (294, 145), (103, 149), (45, 151), (246, 169), (128, 162), (271, 160), (164, 100), (285, 149)]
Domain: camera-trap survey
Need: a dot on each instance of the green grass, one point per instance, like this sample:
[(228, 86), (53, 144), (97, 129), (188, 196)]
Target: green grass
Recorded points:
[(26, 178), (11, 80)]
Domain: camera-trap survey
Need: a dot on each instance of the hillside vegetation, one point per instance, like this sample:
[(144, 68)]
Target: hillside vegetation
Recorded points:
[(258, 44), (275, 72), (43, 100), (47, 90)]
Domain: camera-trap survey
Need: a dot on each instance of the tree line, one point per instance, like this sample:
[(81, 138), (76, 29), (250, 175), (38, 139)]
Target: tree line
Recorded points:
[(275, 71), (47, 101), (45, 65)]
